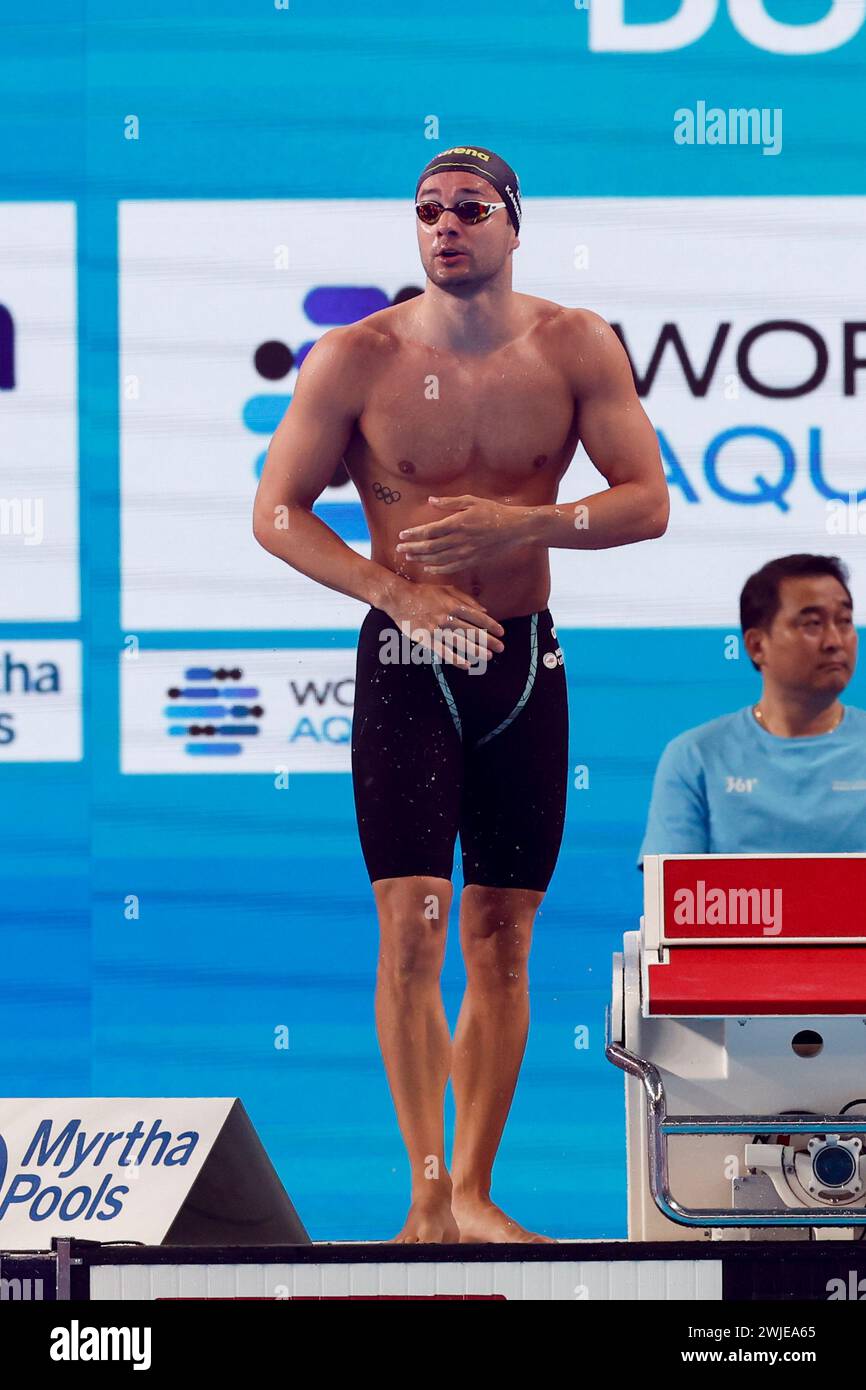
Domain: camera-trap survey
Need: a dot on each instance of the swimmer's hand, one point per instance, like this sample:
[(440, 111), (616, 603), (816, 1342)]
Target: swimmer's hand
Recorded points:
[(445, 620), (475, 529)]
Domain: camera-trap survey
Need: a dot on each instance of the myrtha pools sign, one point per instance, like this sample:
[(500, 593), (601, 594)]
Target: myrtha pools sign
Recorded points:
[(102, 1169)]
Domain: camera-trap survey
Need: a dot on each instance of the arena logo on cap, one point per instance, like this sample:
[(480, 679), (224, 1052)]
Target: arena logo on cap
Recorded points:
[(464, 149), (610, 33)]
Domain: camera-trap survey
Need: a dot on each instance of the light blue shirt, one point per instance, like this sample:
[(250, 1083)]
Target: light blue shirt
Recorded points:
[(732, 787)]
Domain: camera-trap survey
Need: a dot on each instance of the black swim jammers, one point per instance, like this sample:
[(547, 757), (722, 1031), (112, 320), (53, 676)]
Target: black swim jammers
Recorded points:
[(438, 749)]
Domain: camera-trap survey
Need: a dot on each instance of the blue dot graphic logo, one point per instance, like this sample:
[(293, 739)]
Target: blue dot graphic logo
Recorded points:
[(211, 713)]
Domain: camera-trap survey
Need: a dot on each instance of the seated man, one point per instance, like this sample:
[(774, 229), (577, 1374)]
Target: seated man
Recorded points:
[(789, 772)]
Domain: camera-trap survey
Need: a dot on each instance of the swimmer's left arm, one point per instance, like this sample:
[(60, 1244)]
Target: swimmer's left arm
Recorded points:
[(619, 439)]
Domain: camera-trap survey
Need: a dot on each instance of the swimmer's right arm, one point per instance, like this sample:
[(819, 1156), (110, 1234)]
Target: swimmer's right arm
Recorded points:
[(303, 455)]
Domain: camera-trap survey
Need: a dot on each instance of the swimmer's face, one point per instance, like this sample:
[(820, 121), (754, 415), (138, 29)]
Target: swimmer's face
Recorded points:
[(811, 644), (483, 248)]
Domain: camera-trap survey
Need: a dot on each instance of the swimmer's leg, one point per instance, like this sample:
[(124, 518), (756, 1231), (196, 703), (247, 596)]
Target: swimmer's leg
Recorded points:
[(489, 1042), (512, 818), (415, 1040), (407, 758)]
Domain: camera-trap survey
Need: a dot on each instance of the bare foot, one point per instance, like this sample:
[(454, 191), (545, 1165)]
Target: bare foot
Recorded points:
[(480, 1221), (428, 1222)]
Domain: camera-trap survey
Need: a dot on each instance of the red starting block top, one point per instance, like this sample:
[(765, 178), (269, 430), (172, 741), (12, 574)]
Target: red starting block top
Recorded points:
[(795, 927), (743, 980)]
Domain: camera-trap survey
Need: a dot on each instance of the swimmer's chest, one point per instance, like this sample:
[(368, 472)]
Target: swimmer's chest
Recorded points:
[(445, 417)]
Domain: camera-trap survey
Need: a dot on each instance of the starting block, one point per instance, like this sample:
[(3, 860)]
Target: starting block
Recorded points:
[(738, 1015)]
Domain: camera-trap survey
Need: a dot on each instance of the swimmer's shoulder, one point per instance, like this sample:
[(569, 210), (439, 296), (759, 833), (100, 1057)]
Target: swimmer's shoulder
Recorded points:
[(565, 326), (364, 339), (582, 342), (384, 332), (574, 324), (352, 353)]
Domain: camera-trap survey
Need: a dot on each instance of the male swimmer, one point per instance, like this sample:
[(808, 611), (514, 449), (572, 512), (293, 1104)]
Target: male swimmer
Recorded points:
[(457, 413)]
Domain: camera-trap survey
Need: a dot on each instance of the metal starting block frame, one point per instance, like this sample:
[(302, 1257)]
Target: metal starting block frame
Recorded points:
[(729, 946)]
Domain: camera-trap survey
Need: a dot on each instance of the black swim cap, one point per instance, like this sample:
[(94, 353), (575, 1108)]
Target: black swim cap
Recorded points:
[(485, 163)]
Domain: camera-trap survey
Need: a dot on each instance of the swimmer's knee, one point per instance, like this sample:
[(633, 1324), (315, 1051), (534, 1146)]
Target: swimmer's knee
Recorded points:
[(500, 959), (488, 909), (496, 935), (418, 895), (413, 920)]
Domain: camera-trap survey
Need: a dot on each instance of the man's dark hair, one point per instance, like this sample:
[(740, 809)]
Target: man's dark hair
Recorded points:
[(760, 600)]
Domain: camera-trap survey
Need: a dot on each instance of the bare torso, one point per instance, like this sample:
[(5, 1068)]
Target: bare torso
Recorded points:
[(502, 425)]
